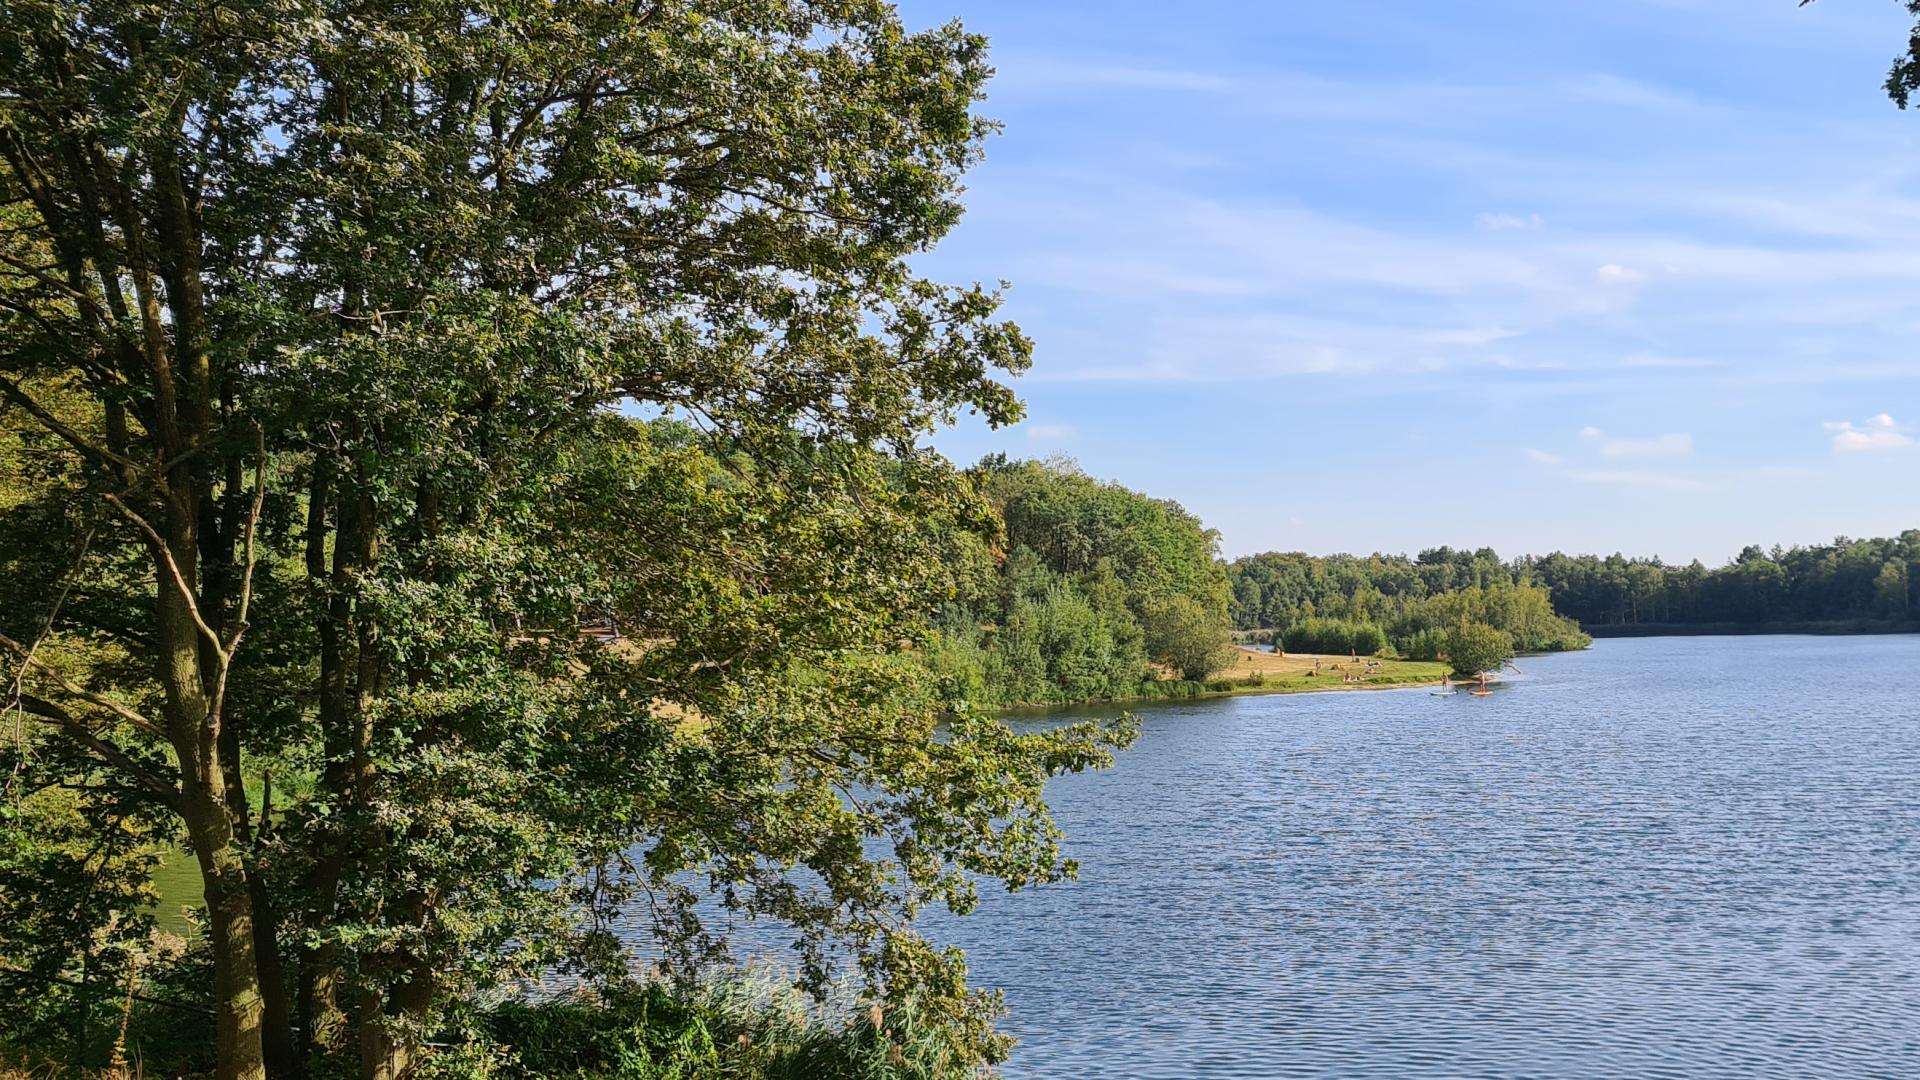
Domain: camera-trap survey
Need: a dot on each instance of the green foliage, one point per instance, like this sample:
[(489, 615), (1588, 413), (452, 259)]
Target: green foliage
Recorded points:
[(1188, 636), (1404, 597), (324, 335), (744, 1027), (1842, 581), (1475, 648), (1334, 637), (1425, 645), (1096, 582)]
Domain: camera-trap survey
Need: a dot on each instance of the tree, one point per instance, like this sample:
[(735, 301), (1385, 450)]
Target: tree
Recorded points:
[(1890, 589), (1087, 567), (1188, 637), (1476, 648), (336, 315)]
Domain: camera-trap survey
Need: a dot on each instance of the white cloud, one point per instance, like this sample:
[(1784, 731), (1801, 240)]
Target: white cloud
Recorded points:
[(1679, 444), (1655, 361), (1881, 432), (1040, 432), (1541, 457), (1694, 228), (1591, 432)]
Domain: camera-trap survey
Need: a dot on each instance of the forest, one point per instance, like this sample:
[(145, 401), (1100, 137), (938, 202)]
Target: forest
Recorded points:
[(1308, 603), (1848, 581), (1092, 592), (1845, 585)]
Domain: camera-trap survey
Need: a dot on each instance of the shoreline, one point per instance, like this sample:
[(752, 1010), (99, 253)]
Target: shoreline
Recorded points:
[(1817, 628), (1256, 671)]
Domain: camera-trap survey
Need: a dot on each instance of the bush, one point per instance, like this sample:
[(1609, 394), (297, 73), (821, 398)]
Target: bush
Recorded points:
[(1424, 645), (1476, 648), (744, 1028)]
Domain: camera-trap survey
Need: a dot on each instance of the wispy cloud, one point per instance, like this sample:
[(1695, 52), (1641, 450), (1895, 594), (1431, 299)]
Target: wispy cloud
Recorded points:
[(1679, 444), (1782, 472), (1542, 457), (1881, 432), (1657, 362), (1703, 229), (1615, 274)]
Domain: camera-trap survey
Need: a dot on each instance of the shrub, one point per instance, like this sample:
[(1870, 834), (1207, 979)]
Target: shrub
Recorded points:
[(1424, 645), (743, 1027), (1476, 648)]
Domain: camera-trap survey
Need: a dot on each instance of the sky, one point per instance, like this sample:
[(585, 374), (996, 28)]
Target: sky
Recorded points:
[(1382, 275)]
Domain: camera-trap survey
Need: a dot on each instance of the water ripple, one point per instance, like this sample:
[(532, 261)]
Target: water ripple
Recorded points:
[(1679, 858)]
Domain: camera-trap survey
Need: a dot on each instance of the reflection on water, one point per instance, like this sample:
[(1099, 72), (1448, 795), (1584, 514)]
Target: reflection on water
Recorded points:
[(1680, 857)]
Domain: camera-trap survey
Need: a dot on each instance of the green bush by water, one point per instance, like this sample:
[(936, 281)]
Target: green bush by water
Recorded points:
[(742, 1028)]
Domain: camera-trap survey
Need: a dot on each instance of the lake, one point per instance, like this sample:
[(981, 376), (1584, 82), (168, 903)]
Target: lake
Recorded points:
[(1685, 857)]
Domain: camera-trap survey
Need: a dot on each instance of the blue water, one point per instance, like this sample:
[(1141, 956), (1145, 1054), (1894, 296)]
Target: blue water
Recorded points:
[(1662, 858)]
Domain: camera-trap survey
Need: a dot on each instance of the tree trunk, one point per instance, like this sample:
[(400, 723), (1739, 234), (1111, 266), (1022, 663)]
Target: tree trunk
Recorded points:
[(193, 728), (239, 1012), (389, 1029)]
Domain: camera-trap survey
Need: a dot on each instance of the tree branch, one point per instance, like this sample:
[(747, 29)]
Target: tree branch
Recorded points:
[(129, 715), (100, 455), (42, 709), (160, 545)]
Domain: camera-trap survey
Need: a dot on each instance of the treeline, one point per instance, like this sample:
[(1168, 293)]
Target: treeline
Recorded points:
[(1345, 603), (1853, 583), (1084, 590), (1844, 581), (1091, 591)]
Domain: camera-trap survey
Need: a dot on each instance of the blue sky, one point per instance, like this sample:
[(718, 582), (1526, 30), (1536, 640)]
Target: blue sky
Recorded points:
[(1378, 275)]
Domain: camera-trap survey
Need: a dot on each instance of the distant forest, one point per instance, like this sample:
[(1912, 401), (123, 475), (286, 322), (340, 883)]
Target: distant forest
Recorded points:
[(1860, 582)]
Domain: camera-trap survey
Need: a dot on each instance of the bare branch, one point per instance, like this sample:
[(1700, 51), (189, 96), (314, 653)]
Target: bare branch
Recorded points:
[(218, 706), (42, 709), (253, 523), (159, 544), (130, 716), (98, 454)]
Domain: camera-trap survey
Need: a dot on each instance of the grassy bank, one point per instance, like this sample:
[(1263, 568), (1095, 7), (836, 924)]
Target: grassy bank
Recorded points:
[(1256, 671), (1259, 671)]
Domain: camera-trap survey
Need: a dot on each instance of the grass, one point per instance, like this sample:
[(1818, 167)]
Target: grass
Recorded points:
[(1259, 672)]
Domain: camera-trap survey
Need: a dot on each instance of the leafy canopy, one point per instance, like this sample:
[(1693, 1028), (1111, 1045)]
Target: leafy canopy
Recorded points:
[(367, 352)]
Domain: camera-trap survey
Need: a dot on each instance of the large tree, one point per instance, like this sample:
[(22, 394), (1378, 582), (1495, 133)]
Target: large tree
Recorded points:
[(371, 348)]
